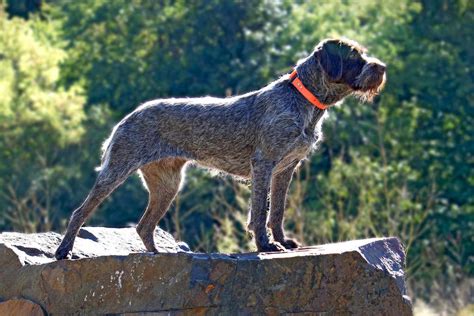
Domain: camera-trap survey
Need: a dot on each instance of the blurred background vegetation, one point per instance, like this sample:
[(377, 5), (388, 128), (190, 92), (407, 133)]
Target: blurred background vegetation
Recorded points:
[(402, 166)]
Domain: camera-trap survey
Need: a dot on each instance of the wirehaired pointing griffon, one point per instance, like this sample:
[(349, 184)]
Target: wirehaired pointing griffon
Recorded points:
[(261, 135)]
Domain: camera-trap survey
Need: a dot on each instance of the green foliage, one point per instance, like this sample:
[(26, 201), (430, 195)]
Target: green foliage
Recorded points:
[(38, 120), (402, 166), (156, 49), (22, 8)]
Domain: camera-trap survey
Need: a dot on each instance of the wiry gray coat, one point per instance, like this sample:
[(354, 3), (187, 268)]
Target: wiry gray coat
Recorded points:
[(261, 135)]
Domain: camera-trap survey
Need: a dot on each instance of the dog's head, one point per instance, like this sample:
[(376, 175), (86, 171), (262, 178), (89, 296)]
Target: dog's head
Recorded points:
[(345, 62)]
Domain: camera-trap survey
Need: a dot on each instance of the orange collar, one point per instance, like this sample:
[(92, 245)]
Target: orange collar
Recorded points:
[(296, 82)]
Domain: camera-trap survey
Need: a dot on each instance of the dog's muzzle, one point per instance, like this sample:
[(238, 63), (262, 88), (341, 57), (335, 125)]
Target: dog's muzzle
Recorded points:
[(372, 77)]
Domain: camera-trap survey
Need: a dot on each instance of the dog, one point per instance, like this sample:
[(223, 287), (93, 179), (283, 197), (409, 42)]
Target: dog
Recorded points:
[(262, 135)]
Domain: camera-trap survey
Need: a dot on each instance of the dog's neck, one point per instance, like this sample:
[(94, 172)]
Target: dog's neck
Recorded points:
[(315, 80)]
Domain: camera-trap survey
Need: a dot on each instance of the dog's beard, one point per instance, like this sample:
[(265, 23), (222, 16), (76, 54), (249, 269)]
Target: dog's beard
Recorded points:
[(369, 84), (332, 91)]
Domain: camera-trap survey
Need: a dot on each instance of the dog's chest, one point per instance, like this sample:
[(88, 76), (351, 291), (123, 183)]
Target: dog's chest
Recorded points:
[(307, 141), (304, 144)]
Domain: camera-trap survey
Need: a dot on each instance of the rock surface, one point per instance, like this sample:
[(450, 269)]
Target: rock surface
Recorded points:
[(114, 275), (90, 242), (20, 307)]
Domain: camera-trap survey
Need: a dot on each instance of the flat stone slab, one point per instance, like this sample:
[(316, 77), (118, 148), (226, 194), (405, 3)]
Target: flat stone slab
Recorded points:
[(20, 307), (90, 242), (113, 275)]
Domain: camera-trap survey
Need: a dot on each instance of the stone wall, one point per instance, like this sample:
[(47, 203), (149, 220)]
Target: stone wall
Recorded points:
[(113, 275)]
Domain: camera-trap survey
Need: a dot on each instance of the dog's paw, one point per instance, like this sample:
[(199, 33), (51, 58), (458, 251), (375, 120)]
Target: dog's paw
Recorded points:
[(290, 243), (271, 247), (63, 253)]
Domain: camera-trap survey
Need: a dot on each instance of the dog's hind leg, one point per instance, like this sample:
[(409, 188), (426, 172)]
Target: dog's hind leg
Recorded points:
[(162, 179), (109, 178)]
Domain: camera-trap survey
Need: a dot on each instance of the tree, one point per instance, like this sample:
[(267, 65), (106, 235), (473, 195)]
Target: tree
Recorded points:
[(131, 52), (38, 121), (403, 165)]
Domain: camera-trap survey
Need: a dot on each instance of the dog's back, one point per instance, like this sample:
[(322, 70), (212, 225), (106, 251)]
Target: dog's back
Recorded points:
[(220, 133)]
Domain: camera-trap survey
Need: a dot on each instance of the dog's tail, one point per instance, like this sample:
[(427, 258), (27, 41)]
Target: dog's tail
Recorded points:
[(106, 151)]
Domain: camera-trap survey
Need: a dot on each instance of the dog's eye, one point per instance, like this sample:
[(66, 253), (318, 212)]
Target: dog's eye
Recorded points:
[(353, 55)]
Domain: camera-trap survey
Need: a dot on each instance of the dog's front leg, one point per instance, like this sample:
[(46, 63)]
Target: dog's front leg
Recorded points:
[(261, 177), (279, 190)]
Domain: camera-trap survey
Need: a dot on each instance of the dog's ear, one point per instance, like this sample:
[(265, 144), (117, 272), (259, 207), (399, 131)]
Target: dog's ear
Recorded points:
[(330, 59)]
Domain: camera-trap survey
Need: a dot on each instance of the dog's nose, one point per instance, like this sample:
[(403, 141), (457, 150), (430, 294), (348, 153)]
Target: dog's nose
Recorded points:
[(380, 68)]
